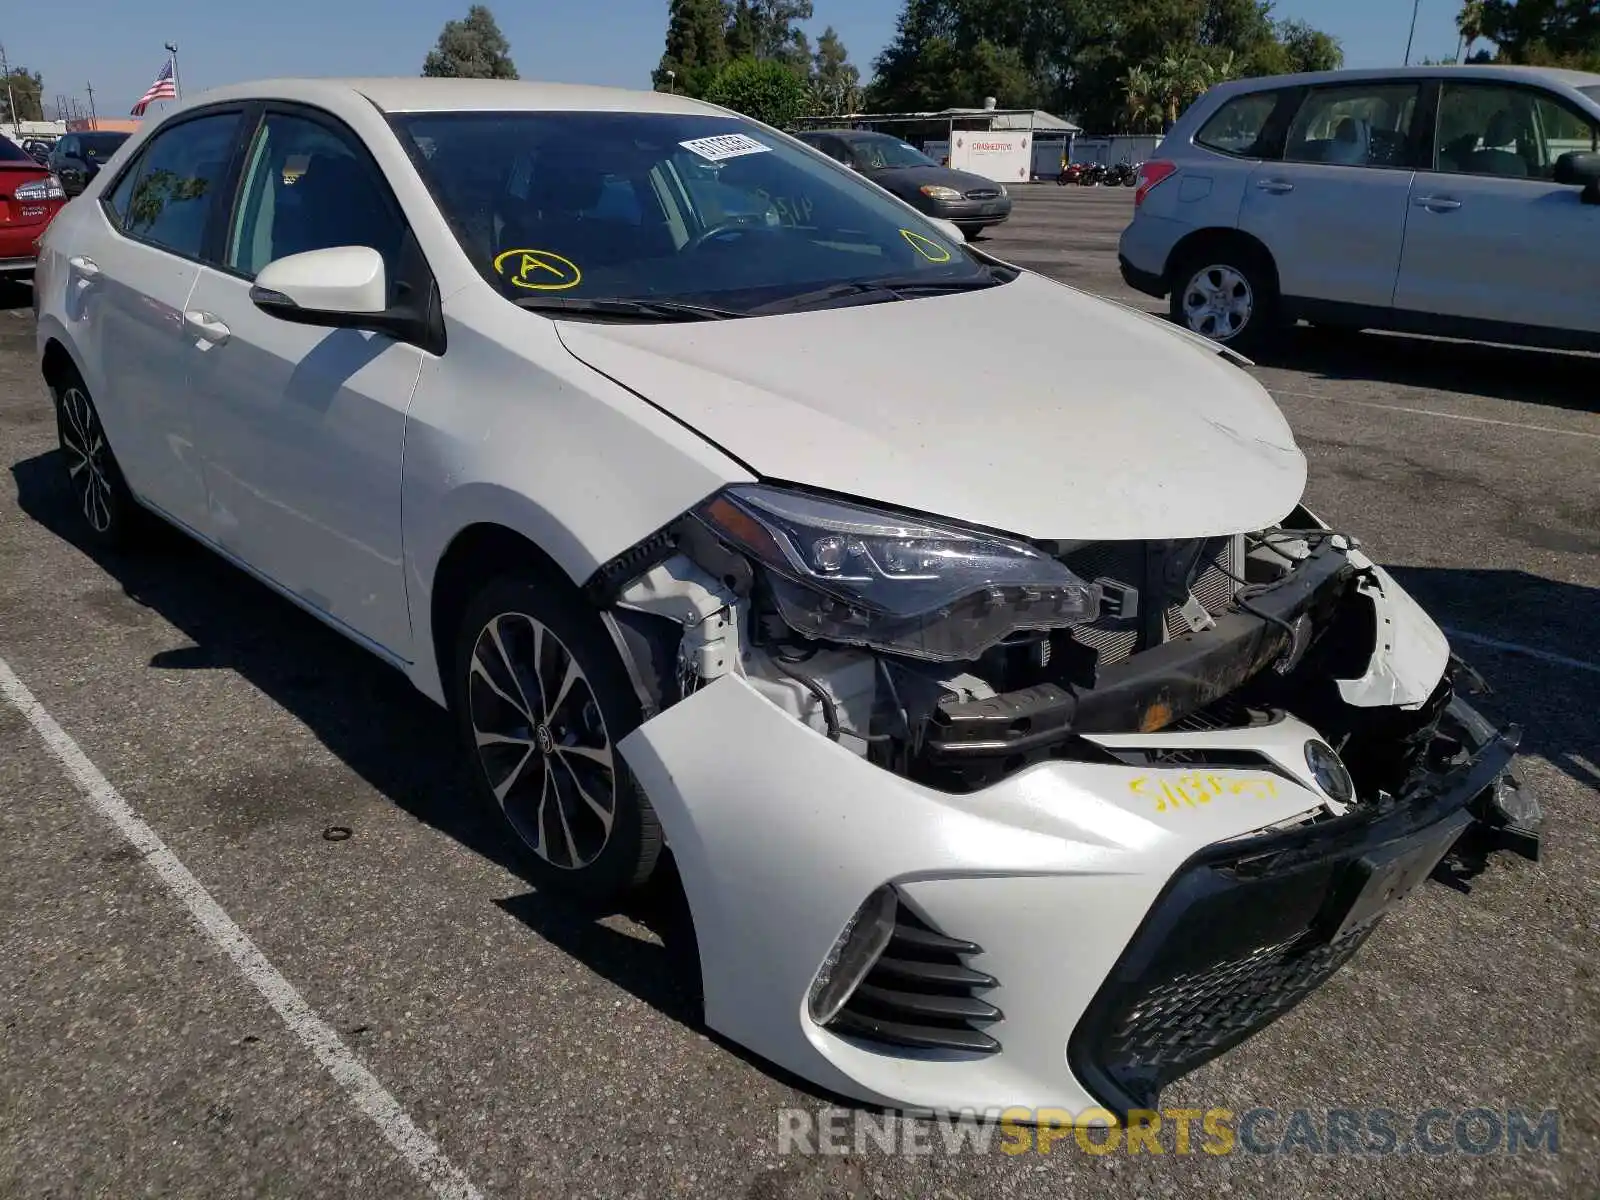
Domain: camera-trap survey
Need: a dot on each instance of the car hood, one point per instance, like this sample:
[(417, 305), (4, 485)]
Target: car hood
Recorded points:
[(1030, 408), (909, 179)]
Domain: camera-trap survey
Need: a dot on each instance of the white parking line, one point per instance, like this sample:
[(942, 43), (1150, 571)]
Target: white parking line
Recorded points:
[(370, 1096), (1430, 412), (1549, 656)]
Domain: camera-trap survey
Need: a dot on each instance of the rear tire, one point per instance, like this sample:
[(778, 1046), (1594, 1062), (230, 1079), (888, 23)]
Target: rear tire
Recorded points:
[(111, 518), (1227, 294), (541, 698)]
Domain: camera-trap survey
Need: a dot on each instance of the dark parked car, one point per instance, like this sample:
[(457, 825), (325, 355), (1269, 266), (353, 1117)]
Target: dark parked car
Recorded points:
[(971, 202), (78, 157), (37, 149)]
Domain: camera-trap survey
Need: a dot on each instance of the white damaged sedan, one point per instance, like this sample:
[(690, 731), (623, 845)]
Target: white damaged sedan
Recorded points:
[(1019, 737)]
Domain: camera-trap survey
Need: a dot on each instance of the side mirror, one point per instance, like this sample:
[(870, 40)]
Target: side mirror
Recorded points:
[(950, 230), (1580, 168), (339, 286), (347, 287)]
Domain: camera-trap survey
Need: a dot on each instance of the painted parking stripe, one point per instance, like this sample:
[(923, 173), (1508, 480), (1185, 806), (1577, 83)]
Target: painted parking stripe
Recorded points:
[(420, 1151), (1549, 656), (1429, 412)]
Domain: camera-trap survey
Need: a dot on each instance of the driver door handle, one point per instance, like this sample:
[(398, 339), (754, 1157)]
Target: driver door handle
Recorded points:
[(206, 327), (84, 268), (1277, 187), (1437, 204)]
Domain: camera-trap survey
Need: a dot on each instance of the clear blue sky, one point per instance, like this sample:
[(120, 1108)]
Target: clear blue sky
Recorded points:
[(117, 44)]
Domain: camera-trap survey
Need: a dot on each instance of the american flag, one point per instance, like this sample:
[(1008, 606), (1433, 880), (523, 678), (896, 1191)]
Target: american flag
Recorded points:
[(162, 89)]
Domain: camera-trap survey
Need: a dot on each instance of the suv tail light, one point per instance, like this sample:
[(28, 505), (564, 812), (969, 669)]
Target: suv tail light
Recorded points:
[(1151, 174)]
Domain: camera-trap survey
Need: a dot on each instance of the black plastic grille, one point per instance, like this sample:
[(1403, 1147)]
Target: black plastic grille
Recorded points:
[(921, 993), (1190, 1019), (984, 194)]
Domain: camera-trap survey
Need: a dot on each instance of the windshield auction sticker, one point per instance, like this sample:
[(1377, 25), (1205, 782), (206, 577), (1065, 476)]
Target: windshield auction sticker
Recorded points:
[(725, 145), (927, 247), (538, 270)]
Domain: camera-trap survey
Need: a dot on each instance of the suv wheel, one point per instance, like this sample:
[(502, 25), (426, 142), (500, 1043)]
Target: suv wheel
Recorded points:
[(541, 699), (1227, 297)]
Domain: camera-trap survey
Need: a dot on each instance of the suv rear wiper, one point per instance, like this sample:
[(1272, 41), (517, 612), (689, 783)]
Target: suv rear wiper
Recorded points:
[(620, 306), (889, 289)]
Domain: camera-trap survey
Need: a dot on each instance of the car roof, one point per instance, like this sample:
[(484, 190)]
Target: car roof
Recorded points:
[(412, 94), (1477, 71), (854, 135)]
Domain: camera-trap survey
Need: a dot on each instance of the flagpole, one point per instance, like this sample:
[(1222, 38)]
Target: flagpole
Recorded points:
[(177, 85)]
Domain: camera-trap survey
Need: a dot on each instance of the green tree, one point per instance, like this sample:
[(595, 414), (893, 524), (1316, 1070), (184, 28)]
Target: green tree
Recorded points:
[(696, 46), (1469, 24), (472, 48), (27, 88), (835, 82), (768, 91), (1558, 33), (1308, 49), (742, 36)]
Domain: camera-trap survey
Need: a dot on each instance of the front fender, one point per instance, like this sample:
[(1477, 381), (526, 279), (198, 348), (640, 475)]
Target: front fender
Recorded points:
[(510, 430)]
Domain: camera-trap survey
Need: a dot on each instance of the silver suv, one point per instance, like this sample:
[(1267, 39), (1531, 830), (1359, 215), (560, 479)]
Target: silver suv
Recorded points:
[(1459, 201)]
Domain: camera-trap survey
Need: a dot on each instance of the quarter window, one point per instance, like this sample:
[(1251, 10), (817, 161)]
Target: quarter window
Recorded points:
[(175, 184), (308, 187), (1239, 125), (1509, 133), (1362, 126)]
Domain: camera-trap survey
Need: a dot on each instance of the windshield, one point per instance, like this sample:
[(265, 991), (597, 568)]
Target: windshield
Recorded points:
[(101, 145), (881, 151), (706, 210)]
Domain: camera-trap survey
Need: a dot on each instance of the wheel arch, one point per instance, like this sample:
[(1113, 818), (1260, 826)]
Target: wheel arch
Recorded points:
[(1215, 239), (477, 553), (55, 360)]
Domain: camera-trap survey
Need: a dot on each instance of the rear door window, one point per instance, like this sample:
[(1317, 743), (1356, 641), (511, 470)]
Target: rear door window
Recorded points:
[(1359, 125)]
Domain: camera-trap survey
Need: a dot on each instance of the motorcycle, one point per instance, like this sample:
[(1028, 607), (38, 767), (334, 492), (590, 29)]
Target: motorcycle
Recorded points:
[(1071, 173), (1094, 174)]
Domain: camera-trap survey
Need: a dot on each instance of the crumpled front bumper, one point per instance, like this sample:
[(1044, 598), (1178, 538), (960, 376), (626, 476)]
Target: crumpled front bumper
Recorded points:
[(1086, 891), (1247, 929)]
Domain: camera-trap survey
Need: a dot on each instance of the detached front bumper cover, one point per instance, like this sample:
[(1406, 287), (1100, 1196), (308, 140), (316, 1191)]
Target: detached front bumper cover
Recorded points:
[(1248, 928)]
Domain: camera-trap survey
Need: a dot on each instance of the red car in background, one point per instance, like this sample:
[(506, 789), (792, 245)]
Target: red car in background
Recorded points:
[(30, 198)]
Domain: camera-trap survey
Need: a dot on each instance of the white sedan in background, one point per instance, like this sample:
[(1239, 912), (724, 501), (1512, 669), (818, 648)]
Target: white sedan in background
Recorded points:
[(1019, 743)]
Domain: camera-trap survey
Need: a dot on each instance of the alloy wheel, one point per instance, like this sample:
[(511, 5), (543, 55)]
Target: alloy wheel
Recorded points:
[(88, 465), (542, 741), (1217, 302)]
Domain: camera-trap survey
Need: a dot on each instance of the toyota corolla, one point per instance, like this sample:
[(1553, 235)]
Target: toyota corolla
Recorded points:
[(1018, 741)]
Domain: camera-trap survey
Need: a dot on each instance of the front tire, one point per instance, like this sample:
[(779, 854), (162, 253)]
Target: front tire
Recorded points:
[(111, 517), (1227, 296), (542, 698)]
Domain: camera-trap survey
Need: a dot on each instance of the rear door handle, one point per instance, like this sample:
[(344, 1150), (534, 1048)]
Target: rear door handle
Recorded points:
[(206, 327), (84, 268), (1437, 203), (1276, 186)]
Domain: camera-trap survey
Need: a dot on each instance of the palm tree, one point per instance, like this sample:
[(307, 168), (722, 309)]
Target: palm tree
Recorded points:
[(1469, 23), (1142, 107)]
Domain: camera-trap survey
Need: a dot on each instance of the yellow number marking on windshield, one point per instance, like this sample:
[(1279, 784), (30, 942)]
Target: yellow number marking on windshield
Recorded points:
[(1194, 789), (538, 270), (927, 247)]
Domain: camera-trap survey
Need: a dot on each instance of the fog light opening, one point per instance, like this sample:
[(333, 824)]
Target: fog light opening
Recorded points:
[(864, 938)]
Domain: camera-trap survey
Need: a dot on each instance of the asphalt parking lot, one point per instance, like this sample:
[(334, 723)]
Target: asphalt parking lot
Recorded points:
[(550, 1052)]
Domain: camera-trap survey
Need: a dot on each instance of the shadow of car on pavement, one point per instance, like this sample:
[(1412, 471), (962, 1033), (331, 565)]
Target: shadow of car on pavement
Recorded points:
[(369, 716), (1545, 377)]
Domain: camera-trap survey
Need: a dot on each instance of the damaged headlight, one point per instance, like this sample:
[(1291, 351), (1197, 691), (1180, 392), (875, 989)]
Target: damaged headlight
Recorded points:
[(902, 584)]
